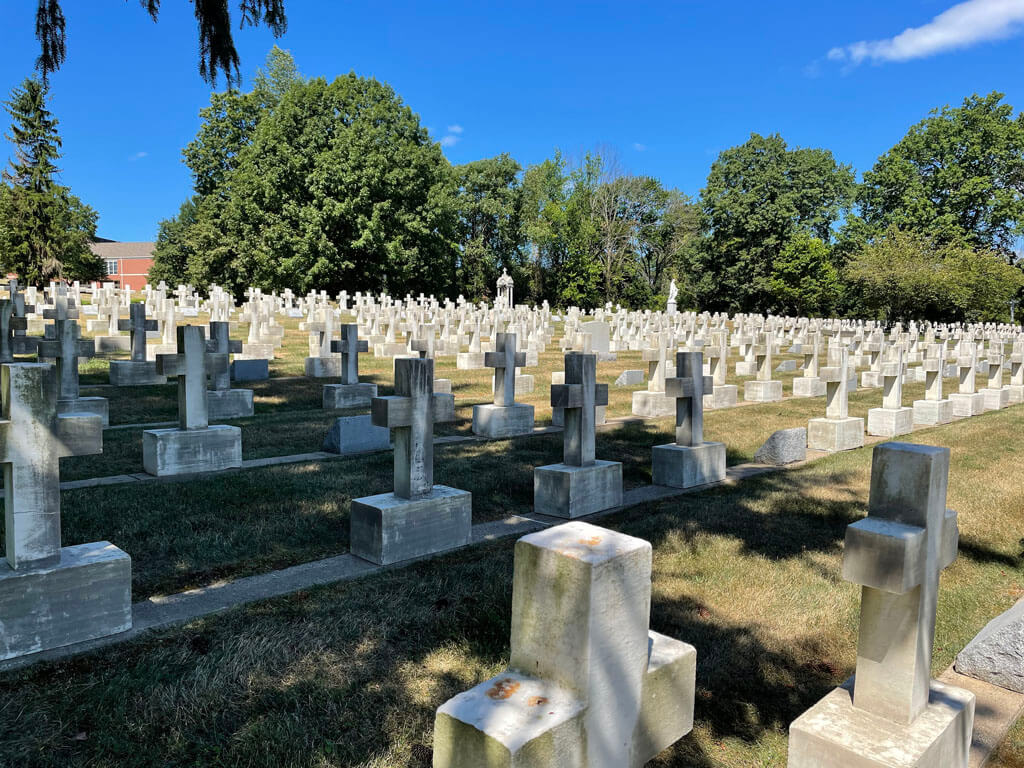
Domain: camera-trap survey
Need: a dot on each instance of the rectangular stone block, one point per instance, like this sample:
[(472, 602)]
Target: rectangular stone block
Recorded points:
[(680, 466), (723, 396), (746, 368), (356, 434), (965, 406), (134, 373), (884, 554), (871, 379), (1016, 395), (562, 490), (890, 422), (502, 420), (808, 387), (653, 405), (933, 412), (323, 367), (185, 451), (227, 404), (112, 344), (337, 396), (835, 434), (834, 733), (762, 391), (996, 399), (469, 361), (387, 529), (666, 705), (252, 369), (87, 595), (98, 406)]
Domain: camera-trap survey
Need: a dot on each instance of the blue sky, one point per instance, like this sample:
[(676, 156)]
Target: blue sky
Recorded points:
[(667, 84)]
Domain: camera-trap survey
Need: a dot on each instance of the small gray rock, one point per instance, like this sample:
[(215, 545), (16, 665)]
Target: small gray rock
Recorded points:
[(786, 366), (784, 447), (630, 378), (996, 655)]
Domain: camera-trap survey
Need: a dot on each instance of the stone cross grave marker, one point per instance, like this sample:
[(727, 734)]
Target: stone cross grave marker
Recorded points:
[(222, 401), (9, 324), (763, 389), (893, 709), (350, 393), (934, 409), (137, 325), (838, 431), (504, 417), (892, 419), (589, 685), (192, 364)]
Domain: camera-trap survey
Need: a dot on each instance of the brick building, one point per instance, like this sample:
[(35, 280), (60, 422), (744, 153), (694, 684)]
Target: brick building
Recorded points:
[(127, 263)]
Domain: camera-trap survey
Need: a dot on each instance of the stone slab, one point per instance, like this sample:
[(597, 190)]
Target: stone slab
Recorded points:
[(386, 529), (834, 733), (112, 344), (835, 434), (762, 391), (996, 655), (680, 466), (469, 361), (890, 422), (337, 396), (134, 373), (228, 404), (99, 406), (562, 490), (808, 386), (630, 378), (653, 405), (996, 399), (87, 595), (786, 446), (187, 451), (250, 370), (965, 406), (356, 434), (933, 412), (323, 367), (723, 396), (496, 421)]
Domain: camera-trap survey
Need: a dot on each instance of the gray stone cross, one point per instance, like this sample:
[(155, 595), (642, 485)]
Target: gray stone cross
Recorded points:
[(504, 360), (688, 387), (220, 343), (137, 325), (349, 346), (192, 364), (33, 438), (896, 554), (579, 396), (66, 347), (411, 413), (9, 323)]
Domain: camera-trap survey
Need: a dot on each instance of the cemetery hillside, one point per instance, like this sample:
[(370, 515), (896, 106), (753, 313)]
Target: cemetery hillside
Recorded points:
[(390, 453)]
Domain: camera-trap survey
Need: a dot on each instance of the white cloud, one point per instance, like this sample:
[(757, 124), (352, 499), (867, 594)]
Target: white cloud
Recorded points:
[(640, 147), (962, 26), (139, 155), (449, 141), (455, 128)]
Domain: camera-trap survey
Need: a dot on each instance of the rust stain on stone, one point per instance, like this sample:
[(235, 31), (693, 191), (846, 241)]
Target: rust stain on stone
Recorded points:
[(593, 541), (536, 701), (503, 689)]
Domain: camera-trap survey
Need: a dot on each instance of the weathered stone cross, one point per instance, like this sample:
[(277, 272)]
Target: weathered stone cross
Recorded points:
[(66, 347), (579, 396), (896, 554), (33, 438), (688, 387), (9, 323), (504, 360), (192, 365), (349, 346), (220, 343), (411, 413), (137, 325), (837, 381)]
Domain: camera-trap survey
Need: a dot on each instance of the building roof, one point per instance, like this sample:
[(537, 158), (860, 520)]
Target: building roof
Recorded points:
[(109, 249)]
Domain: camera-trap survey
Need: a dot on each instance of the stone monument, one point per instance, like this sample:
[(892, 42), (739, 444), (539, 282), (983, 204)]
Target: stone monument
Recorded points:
[(838, 431), (351, 393), (505, 417)]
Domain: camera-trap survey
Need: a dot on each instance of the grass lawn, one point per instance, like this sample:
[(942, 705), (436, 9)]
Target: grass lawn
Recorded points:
[(350, 675)]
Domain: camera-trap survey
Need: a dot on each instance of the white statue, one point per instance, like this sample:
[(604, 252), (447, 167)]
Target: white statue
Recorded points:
[(673, 291)]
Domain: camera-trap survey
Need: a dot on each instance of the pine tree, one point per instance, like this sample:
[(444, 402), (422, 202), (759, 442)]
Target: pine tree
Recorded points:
[(46, 230)]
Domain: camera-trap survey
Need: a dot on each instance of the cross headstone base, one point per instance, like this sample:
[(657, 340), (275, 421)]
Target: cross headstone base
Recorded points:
[(186, 451), (724, 396), (469, 361), (564, 490), (834, 733), (871, 379), (98, 406), (653, 405), (45, 608), (890, 422), (134, 373), (386, 528), (502, 420), (227, 404), (348, 395), (762, 391), (683, 466), (1016, 394), (834, 435), (746, 367), (933, 412), (996, 399), (323, 367), (250, 369), (967, 405), (112, 344), (356, 434), (809, 386)]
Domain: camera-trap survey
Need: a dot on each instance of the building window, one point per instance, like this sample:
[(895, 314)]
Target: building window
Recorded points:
[(111, 266)]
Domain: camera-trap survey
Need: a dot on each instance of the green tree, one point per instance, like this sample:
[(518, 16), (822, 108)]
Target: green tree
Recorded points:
[(489, 203), (47, 230), (666, 246), (956, 175), (217, 53), (804, 280), (758, 196)]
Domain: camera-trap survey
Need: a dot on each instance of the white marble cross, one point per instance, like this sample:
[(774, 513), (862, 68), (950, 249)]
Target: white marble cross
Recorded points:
[(504, 360)]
